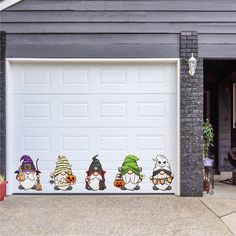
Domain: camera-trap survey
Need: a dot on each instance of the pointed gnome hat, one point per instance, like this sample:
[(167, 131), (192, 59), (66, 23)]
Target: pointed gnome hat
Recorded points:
[(130, 163), (27, 164), (62, 165), (95, 166)]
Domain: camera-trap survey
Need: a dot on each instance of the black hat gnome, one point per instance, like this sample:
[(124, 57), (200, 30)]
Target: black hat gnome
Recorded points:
[(95, 179)]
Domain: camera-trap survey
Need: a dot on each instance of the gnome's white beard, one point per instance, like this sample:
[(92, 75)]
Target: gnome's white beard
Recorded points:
[(30, 180), (131, 181), (94, 181), (60, 181)]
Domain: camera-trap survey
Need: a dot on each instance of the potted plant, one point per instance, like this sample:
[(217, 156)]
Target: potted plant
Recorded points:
[(3, 184), (208, 137)]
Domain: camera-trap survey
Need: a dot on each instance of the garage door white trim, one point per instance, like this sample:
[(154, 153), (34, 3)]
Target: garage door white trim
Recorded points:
[(9, 121)]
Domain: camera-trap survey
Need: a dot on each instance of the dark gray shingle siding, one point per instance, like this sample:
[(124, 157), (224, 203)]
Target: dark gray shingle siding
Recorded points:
[(63, 27)]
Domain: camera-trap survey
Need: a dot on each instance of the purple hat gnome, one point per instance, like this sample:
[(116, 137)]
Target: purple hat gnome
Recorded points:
[(27, 175)]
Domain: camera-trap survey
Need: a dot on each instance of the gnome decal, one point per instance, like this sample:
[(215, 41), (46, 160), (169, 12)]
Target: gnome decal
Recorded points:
[(130, 174), (27, 175), (62, 177), (95, 179), (162, 176)]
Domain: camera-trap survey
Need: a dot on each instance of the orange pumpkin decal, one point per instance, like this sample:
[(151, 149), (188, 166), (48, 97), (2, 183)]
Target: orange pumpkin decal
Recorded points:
[(71, 179), (21, 177), (119, 183)]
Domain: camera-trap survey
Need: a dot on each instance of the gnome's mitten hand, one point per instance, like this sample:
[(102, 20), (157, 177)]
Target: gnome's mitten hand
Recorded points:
[(87, 179), (154, 181), (20, 177), (51, 181)]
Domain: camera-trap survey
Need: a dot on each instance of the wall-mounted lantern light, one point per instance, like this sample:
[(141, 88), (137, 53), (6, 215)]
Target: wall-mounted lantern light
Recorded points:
[(192, 64)]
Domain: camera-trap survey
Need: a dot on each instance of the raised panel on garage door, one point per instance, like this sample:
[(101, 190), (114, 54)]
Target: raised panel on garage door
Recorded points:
[(83, 109)]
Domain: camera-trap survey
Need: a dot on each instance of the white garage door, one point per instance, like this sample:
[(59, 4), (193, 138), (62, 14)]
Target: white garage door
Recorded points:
[(79, 109)]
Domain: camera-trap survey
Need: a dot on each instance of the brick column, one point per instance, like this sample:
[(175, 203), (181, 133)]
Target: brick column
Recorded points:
[(191, 118), (2, 103)]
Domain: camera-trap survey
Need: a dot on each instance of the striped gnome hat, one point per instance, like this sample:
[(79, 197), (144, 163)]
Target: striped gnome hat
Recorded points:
[(62, 165)]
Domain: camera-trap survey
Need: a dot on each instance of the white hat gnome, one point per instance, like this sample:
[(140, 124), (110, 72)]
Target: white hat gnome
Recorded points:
[(162, 176), (62, 177)]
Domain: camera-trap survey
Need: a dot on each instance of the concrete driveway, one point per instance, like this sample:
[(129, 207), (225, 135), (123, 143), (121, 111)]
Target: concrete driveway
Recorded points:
[(113, 215)]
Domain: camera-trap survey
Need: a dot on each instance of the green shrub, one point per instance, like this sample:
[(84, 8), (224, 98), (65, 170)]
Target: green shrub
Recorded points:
[(208, 137), (2, 178)]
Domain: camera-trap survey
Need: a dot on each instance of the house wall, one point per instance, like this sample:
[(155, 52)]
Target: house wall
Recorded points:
[(227, 134), (219, 76), (54, 28), (99, 29), (225, 123)]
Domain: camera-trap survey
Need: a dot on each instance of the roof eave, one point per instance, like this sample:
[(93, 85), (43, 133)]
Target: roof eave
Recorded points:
[(7, 3)]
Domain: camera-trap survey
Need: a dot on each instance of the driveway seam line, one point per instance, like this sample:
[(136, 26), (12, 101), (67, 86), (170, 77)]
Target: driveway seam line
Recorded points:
[(216, 216), (228, 214)]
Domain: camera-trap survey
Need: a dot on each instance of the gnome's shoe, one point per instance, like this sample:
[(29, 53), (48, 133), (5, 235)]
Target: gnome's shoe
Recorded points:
[(20, 187), (137, 187), (155, 187), (34, 187), (169, 188), (102, 188), (89, 188), (56, 187), (69, 188), (123, 188)]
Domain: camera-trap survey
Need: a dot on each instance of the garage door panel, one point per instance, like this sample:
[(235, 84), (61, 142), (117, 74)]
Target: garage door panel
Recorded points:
[(109, 176), (95, 110), (83, 109), (145, 188), (84, 159), (145, 185), (79, 167), (95, 79), (90, 140)]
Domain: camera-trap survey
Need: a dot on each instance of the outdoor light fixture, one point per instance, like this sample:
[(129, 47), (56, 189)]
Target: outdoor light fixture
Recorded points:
[(192, 64)]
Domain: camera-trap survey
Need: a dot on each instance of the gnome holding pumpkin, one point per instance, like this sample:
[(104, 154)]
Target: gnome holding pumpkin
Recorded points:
[(62, 177), (27, 175), (95, 179), (130, 174)]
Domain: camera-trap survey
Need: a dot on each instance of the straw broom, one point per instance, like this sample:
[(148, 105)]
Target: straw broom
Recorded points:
[(38, 186)]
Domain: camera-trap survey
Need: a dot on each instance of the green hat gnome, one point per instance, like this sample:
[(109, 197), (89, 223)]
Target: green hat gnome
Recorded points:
[(131, 174), (62, 177)]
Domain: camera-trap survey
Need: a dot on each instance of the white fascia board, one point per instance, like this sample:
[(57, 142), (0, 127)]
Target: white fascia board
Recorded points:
[(7, 3)]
